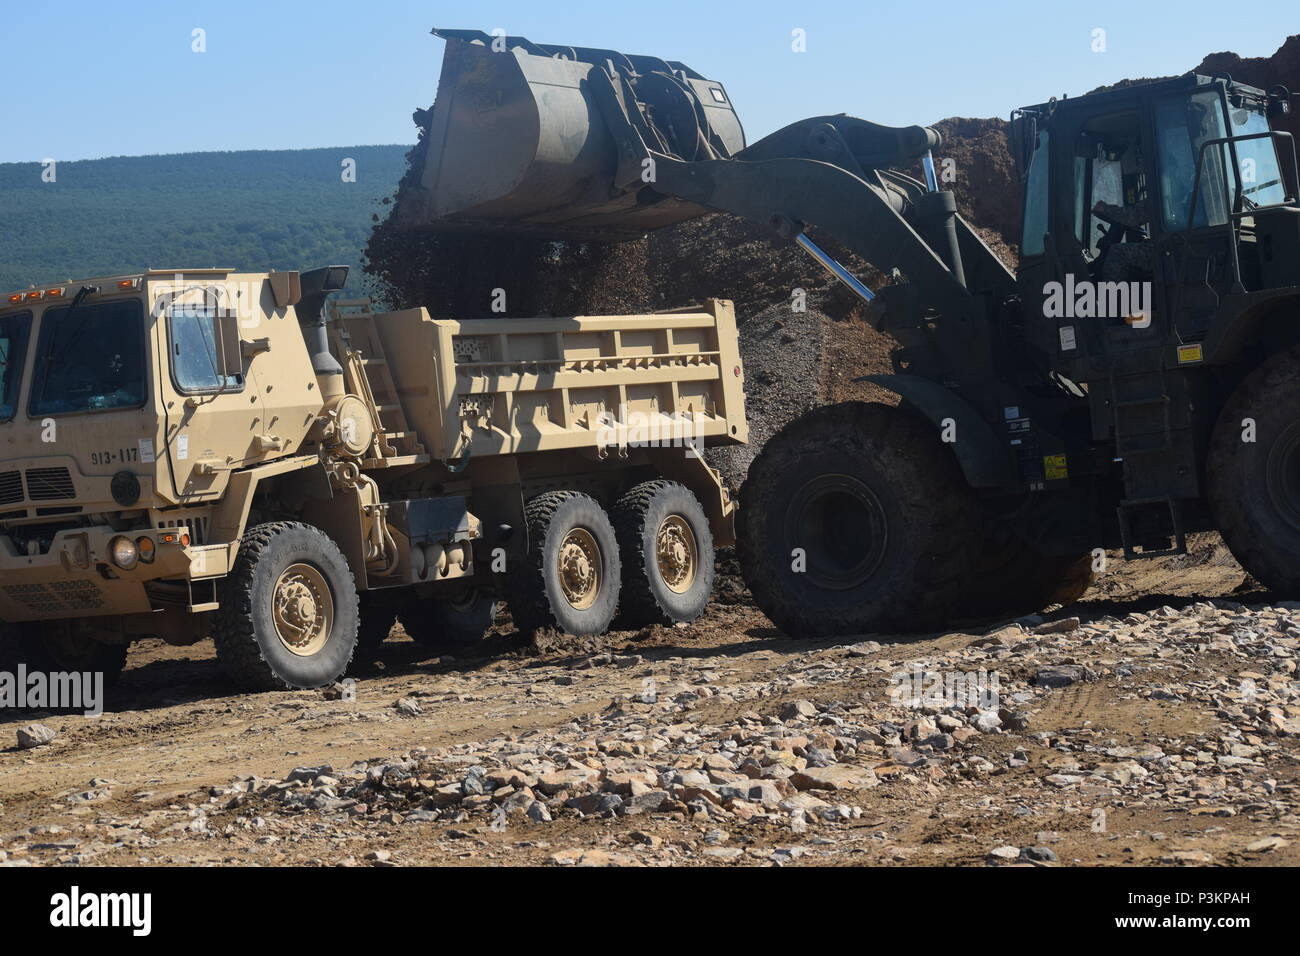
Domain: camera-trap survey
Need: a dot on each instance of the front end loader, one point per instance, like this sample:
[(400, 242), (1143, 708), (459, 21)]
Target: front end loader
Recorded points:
[(1137, 378)]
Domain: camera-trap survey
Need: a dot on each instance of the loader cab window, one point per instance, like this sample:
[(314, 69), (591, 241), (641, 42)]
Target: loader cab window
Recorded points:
[(1035, 224), (89, 359), (1260, 174), (1112, 216), (1183, 125), (13, 352)]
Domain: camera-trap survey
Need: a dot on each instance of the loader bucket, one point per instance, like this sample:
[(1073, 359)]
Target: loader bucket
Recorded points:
[(549, 141)]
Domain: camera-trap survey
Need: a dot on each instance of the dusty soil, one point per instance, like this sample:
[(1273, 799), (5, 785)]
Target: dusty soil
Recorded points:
[(1154, 741)]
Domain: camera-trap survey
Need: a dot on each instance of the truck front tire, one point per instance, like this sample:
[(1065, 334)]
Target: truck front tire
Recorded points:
[(1254, 473), (570, 578), (289, 610), (667, 554)]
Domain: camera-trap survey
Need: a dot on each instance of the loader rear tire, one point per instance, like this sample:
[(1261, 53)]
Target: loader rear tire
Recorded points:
[(1021, 579), (1254, 486), (289, 610), (667, 553), (856, 519), (570, 578)]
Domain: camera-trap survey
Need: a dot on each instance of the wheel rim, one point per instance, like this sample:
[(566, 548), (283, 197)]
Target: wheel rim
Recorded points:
[(840, 525), (580, 564), (303, 609), (676, 554), (1283, 475)]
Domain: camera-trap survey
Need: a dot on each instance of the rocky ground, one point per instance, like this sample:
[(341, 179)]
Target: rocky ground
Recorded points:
[(1159, 730)]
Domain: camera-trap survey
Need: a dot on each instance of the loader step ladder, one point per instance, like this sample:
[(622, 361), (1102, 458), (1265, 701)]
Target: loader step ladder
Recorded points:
[(1133, 434), (366, 374), (1133, 506)]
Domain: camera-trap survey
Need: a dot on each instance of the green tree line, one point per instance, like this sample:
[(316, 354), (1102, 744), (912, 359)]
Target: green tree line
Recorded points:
[(253, 211)]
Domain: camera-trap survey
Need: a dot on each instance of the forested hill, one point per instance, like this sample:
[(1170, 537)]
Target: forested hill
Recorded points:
[(257, 211)]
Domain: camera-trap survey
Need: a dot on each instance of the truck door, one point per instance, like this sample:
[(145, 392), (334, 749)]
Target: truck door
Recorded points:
[(213, 404)]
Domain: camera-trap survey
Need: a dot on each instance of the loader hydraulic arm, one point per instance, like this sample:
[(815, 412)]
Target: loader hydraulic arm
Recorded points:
[(588, 144)]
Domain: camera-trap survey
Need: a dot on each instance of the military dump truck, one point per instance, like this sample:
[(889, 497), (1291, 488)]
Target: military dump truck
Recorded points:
[(1137, 378), (211, 453)]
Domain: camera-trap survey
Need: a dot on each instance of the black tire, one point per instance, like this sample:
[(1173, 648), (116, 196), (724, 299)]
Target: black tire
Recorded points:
[(652, 513), (1254, 487), (881, 512), (1016, 577), (450, 623), (535, 592), (249, 647), (51, 646), (376, 620)]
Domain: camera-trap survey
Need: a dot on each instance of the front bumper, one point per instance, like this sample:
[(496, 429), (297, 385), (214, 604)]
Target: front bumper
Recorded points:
[(77, 578)]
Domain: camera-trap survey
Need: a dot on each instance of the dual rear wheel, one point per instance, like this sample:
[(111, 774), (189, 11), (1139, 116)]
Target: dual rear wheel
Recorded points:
[(649, 561)]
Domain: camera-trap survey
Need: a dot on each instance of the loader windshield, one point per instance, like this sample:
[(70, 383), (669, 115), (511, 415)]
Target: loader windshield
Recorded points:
[(1261, 176), (89, 359), (1183, 126), (13, 351)]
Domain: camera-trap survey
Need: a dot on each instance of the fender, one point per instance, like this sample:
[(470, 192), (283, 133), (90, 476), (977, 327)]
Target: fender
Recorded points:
[(231, 513), (983, 458)]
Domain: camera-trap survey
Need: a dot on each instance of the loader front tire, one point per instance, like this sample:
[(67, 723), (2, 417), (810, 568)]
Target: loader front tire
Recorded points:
[(856, 519), (570, 578), (667, 554), (289, 610), (1254, 473)]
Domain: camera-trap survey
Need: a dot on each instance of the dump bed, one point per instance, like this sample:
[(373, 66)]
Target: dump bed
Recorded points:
[(506, 386)]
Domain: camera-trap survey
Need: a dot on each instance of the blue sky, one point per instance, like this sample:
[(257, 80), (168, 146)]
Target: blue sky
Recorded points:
[(89, 78)]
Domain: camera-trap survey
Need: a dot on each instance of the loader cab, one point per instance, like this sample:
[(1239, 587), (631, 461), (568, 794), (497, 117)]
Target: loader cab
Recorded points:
[(1144, 208)]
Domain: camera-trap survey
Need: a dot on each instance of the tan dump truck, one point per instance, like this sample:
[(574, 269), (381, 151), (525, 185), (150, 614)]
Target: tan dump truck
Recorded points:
[(209, 453)]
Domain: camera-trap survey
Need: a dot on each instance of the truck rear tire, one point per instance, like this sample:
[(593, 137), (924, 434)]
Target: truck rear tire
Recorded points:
[(1254, 486), (570, 578), (289, 610), (377, 619), (454, 623), (856, 519), (666, 550)]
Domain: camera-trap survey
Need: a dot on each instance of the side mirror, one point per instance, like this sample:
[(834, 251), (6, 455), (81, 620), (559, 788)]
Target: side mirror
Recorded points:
[(1022, 135)]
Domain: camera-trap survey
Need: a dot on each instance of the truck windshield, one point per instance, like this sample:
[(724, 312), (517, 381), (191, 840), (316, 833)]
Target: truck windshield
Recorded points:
[(91, 360), (13, 351)]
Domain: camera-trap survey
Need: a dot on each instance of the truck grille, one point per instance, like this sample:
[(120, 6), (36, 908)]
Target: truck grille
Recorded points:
[(81, 595), (11, 487), (49, 484)]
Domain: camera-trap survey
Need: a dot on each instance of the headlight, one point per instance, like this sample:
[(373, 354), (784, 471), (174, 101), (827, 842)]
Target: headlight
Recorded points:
[(146, 548), (125, 553)]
